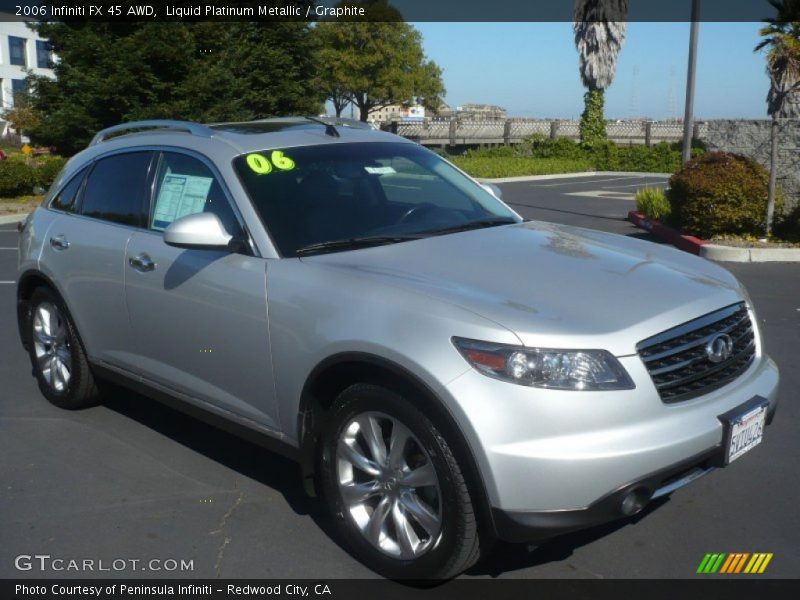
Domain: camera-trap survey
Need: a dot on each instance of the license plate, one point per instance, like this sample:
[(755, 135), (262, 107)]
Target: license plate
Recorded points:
[(745, 432)]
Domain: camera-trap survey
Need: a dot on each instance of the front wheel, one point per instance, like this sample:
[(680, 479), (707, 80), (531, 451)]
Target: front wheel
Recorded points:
[(395, 489)]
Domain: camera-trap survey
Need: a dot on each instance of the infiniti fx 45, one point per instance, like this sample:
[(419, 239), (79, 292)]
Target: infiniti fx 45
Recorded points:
[(445, 372)]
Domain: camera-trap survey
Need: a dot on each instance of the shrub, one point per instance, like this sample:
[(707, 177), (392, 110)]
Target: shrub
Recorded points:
[(46, 168), (653, 202), (719, 193), (16, 178), (788, 227), (539, 146), (491, 152), (604, 156)]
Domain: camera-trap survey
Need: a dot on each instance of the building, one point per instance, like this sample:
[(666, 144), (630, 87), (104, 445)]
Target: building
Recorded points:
[(476, 112), (396, 112), (21, 50)]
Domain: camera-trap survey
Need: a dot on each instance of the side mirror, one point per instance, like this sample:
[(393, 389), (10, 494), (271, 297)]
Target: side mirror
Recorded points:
[(492, 189), (199, 231)]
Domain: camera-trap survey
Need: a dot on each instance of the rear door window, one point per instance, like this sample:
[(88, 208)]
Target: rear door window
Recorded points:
[(186, 186), (116, 190)]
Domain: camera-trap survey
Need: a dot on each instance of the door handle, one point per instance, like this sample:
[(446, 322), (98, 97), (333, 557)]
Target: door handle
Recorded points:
[(59, 242), (142, 263)]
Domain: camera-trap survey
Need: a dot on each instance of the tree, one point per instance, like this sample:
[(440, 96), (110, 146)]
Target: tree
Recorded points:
[(782, 39), (599, 28), (376, 64), (22, 116), (111, 72)]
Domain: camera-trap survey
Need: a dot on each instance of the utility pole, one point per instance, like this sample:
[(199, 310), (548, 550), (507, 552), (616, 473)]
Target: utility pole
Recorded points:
[(688, 118)]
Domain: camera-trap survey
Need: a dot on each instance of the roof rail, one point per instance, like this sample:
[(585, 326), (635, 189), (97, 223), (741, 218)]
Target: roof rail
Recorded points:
[(342, 121), (187, 126)]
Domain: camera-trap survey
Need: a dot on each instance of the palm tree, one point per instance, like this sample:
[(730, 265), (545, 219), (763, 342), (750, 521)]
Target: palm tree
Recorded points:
[(782, 38), (599, 33)]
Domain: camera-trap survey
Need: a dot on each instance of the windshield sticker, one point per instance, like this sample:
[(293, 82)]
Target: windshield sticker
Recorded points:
[(380, 170), (261, 165), (281, 161)]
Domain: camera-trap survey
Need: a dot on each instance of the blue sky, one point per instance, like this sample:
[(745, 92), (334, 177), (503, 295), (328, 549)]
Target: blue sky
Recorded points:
[(532, 69)]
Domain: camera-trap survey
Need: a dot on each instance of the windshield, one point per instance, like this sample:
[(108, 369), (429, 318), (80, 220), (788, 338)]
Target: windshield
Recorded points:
[(309, 196)]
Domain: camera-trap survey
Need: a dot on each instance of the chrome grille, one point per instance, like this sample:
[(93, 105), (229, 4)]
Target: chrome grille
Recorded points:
[(677, 360)]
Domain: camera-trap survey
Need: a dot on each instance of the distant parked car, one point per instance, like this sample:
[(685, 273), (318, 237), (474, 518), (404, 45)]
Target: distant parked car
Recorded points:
[(444, 372)]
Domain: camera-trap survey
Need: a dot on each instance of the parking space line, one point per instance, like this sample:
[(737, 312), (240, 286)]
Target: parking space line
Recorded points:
[(9, 248), (649, 183), (585, 181), (606, 195), (7, 282)]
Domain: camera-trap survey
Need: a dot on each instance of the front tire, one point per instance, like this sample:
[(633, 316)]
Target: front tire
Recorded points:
[(57, 356), (396, 492)]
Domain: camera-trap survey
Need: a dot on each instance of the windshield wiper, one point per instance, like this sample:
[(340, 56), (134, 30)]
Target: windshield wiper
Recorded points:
[(354, 243), (480, 224)]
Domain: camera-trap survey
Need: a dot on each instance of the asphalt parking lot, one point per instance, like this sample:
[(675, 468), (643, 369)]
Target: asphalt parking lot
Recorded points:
[(134, 480)]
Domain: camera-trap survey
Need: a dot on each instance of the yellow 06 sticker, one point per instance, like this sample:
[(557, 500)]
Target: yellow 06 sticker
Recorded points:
[(281, 161), (260, 164)]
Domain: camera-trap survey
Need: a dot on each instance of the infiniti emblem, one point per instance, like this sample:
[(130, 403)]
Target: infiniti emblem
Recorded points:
[(719, 348)]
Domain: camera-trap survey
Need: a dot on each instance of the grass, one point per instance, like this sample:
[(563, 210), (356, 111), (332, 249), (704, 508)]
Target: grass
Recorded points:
[(653, 202), (516, 166), (22, 204)]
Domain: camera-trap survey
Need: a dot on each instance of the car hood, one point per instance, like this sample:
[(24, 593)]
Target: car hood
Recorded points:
[(554, 286)]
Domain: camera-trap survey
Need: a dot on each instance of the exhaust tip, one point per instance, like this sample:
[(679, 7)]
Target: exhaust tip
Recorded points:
[(634, 501)]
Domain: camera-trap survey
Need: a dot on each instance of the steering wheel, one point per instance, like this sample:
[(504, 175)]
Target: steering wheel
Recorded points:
[(416, 211)]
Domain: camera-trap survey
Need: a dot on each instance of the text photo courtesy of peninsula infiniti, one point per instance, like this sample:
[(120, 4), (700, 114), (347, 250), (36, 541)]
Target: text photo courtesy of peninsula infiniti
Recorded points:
[(445, 373)]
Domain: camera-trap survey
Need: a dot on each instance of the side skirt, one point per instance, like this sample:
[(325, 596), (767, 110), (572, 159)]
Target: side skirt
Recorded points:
[(223, 420)]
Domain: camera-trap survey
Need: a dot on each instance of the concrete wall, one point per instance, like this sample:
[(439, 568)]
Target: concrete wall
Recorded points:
[(466, 132), (752, 138)]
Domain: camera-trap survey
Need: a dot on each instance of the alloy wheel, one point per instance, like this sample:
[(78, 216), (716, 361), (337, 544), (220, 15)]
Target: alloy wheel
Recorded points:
[(51, 345), (389, 485)]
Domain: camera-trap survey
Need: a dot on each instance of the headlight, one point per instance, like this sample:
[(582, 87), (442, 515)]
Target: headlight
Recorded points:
[(545, 368)]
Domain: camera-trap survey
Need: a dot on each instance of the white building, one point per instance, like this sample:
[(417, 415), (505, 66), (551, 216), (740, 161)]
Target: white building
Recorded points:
[(397, 112), (21, 50)]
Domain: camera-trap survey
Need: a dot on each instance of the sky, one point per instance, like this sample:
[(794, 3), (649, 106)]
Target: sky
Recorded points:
[(531, 69)]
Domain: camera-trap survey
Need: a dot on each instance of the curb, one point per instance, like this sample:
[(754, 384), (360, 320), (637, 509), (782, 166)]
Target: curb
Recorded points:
[(711, 251), (6, 219), (522, 178), (732, 254), (687, 243)]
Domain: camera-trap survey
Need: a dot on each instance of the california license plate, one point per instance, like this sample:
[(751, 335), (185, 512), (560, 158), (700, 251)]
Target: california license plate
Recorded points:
[(745, 432)]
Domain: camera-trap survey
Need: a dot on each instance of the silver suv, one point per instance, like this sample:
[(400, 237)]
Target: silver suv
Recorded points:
[(445, 373)]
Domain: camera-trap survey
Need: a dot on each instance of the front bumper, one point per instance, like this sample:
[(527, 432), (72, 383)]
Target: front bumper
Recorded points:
[(625, 501), (556, 461)]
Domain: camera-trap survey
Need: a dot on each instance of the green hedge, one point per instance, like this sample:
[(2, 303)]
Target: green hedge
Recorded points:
[(600, 156), (21, 176), (483, 166)]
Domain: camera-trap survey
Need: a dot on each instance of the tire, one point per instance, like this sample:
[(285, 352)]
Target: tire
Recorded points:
[(406, 503), (57, 355)]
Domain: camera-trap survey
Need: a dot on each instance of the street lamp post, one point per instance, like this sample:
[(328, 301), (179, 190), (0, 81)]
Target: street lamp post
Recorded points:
[(688, 118)]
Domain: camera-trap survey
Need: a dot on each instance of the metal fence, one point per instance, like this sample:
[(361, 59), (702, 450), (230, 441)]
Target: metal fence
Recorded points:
[(437, 132)]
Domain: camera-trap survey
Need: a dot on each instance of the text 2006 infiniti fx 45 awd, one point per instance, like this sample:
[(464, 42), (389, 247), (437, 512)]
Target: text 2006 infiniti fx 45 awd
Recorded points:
[(445, 373)]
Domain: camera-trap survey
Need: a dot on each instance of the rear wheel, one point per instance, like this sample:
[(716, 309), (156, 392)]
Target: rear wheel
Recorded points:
[(396, 491), (58, 359)]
